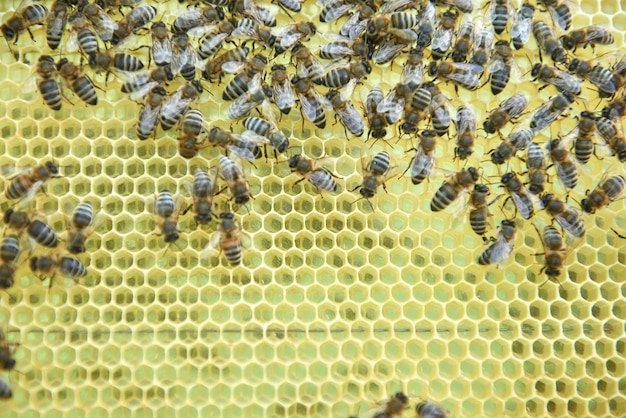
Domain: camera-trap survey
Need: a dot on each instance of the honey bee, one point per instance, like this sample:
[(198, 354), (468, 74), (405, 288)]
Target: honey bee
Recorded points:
[(357, 23), (287, 36), (466, 132), (161, 44), (30, 181), (193, 19), (185, 59), (482, 47), (438, 109), (45, 80), (80, 228), (501, 247), (167, 209), (558, 78), (522, 25), (374, 173), (26, 15), (391, 47), (503, 61), (138, 17), (589, 35), (583, 135), (507, 110), (427, 409), (309, 169), (451, 189), (338, 77), (103, 24), (191, 129), (282, 90), (51, 265), (426, 28), (464, 75), (334, 9), (350, 118), (38, 230), (248, 28), (413, 68), (376, 120), (78, 82), (244, 146), (82, 35), (599, 76), (7, 350), (479, 214), (9, 253), (251, 9), (464, 41), (228, 238), (270, 130), (553, 251), (608, 190), (212, 41), (56, 21), (463, 6), (174, 109), (612, 134), (519, 194), (562, 160), (293, 5), (500, 14), (240, 84), (344, 48), (416, 110), (258, 94), (560, 12), (536, 164), (564, 214), (516, 141), (112, 62), (5, 390), (394, 407), (237, 183), (551, 110), (202, 191), (148, 119), (422, 164), (442, 38), (233, 58), (310, 101), (548, 42), (615, 109), (398, 24)]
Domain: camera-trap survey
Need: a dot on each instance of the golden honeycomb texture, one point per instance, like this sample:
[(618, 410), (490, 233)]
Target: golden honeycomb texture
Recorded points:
[(337, 305)]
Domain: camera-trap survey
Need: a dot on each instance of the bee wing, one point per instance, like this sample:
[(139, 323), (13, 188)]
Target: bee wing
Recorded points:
[(337, 11), (104, 26), (569, 227), (502, 251), (413, 74), (421, 162), (442, 39), (388, 50), (354, 26), (465, 119), (352, 119), (567, 82), (289, 39), (241, 106), (30, 84), (213, 247), (607, 84), (148, 117), (620, 66), (515, 105), (72, 42), (522, 26), (309, 107), (254, 11), (319, 178), (596, 32), (162, 50), (283, 95), (559, 19), (374, 97), (525, 210)]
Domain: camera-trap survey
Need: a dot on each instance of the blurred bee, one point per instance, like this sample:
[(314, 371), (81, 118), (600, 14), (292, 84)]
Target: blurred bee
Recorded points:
[(463, 6), (237, 183), (161, 44), (608, 190), (519, 194), (501, 248), (464, 42), (522, 25), (51, 265), (251, 9), (56, 21), (80, 228), (26, 15), (350, 118), (7, 350), (564, 214), (248, 28), (270, 130), (438, 109), (427, 409), (103, 24), (309, 169), (9, 253), (503, 61), (507, 110), (562, 160), (344, 48), (185, 59), (240, 84), (394, 407), (30, 181), (589, 35), (426, 27), (148, 119), (464, 75), (138, 17), (310, 101), (78, 82), (466, 132), (108, 4), (340, 76), (287, 36), (482, 47), (615, 109), (451, 189), (558, 78), (374, 173), (422, 164), (391, 47), (548, 42), (611, 132), (212, 40), (45, 80), (356, 24), (551, 110), (167, 210), (479, 214), (376, 120), (560, 12), (244, 146), (82, 35), (413, 68), (500, 14), (193, 19), (38, 230), (334, 9), (293, 5), (442, 38), (203, 190), (282, 90), (227, 238), (191, 129), (114, 62), (553, 251), (601, 77), (536, 164), (228, 60), (307, 64), (174, 109), (258, 94), (5, 390)]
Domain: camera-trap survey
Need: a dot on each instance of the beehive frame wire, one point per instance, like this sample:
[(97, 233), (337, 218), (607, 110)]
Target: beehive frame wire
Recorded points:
[(335, 308)]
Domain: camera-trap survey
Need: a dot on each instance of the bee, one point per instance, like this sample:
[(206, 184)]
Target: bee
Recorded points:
[(560, 12), (562, 160), (30, 181), (80, 84), (519, 194), (108, 62), (167, 209), (228, 238), (319, 177), (394, 407), (374, 172), (344, 48), (426, 28), (5, 390), (583, 137), (464, 41), (413, 68), (391, 47), (233, 58), (522, 25), (38, 230), (282, 90), (558, 78), (307, 64), (270, 130), (334, 9), (482, 47), (258, 94), (9, 249), (507, 110), (599, 76), (422, 164), (26, 15), (608, 190), (202, 191), (479, 215), (138, 17), (536, 164), (503, 61), (500, 14), (185, 59), (293, 5), (427, 409), (464, 75), (191, 128), (615, 109), (393, 23), (416, 109), (357, 23), (507, 149), (466, 132), (564, 214), (103, 24), (174, 109), (548, 42), (288, 36), (212, 41), (438, 109), (376, 120), (197, 17), (463, 6), (501, 248), (451, 189), (7, 362), (244, 146), (385, 111), (551, 110), (442, 38), (148, 119), (346, 112), (82, 35), (56, 21), (45, 80), (237, 183), (611, 132), (240, 84), (310, 101), (51, 265), (80, 228), (248, 28), (338, 77), (589, 35), (553, 251), (251, 9), (161, 44)]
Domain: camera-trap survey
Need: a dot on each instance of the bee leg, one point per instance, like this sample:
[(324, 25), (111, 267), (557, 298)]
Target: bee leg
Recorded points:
[(618, 234)]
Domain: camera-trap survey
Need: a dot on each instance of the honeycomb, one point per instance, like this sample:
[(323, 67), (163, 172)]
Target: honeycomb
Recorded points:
[(335, 307)]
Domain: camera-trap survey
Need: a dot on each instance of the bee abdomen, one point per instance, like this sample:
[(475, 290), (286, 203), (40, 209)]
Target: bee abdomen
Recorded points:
[(443, 197), (43, 234), (84, 89), (51, 93)]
